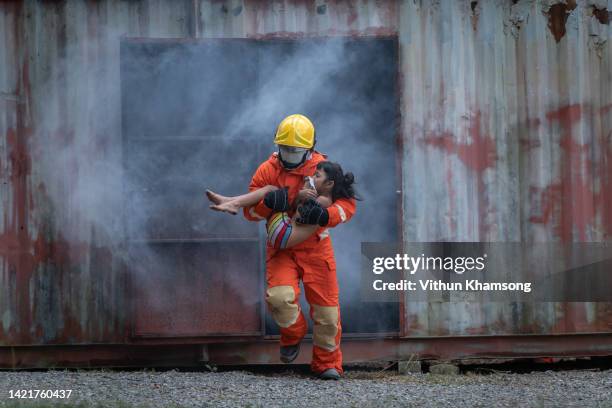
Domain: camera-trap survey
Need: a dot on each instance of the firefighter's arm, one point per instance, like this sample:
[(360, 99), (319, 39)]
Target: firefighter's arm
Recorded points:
[(312, 213), (340, 211), (260, 179)]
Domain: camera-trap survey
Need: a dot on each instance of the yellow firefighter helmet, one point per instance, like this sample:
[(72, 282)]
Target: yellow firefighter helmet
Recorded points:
[(296, 131)]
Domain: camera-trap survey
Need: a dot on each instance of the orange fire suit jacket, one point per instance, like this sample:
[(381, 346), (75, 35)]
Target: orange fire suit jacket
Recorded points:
[(271, 172)]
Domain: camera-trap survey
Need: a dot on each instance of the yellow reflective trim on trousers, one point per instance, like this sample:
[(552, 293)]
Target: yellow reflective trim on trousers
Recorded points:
[(325, 326), (280, 299)]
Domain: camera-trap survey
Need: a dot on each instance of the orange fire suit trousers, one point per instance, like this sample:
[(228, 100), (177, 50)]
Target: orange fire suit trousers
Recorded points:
[(317, 271)]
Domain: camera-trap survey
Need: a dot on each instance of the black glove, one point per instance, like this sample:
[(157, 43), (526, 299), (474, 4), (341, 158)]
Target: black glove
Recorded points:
[(312, 213), (277, 200)]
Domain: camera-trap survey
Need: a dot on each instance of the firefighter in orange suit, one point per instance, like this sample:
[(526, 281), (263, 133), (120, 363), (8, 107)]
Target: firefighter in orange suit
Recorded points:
[(312, 261)]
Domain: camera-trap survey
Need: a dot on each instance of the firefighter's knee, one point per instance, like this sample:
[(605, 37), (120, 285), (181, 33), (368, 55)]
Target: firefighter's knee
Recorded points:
[(325, 326), (281, 301)]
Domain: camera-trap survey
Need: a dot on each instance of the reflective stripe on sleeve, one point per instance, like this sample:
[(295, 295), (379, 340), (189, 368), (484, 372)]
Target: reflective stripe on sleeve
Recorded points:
[(324, 234), (341, 212)]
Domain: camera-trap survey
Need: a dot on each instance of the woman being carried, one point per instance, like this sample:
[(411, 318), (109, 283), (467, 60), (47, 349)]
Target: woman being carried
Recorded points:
[(327, 185)]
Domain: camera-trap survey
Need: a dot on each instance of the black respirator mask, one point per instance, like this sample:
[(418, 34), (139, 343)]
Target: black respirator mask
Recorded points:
[(292, 157)]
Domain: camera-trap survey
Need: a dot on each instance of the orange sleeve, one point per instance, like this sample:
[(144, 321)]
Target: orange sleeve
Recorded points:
[(261, 178), (342, 210)]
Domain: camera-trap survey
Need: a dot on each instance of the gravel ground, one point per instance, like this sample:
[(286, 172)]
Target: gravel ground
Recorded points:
[(577, 388)]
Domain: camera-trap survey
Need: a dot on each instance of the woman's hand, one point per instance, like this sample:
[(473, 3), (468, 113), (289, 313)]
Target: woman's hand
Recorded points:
[(305, 194)]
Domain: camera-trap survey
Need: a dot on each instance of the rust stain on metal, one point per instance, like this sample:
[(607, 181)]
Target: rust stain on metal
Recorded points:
[(602, 15), (557, 17), (478, 155), (15, 237), (571, 319), (475, 7), (574, 195), (352, 14)]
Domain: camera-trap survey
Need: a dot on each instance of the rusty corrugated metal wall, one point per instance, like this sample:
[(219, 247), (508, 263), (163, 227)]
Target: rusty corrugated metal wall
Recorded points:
[(508, 138), (506, 122)]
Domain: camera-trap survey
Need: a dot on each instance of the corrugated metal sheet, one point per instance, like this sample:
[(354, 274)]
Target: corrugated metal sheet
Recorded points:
[(506, 122), (508, 132)]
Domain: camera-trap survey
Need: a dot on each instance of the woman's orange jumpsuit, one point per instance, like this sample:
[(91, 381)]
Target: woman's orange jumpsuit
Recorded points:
[(312, 261)]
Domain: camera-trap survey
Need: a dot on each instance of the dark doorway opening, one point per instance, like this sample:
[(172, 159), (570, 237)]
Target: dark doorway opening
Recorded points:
[(202, 114)]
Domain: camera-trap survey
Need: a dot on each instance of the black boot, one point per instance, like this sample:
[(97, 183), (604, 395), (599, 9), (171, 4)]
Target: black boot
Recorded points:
[(289, 353), (330, 374)]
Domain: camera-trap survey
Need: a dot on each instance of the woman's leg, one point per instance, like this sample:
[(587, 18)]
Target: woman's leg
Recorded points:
[(233, 204), (283, 232), (217, 198), (300, 233)]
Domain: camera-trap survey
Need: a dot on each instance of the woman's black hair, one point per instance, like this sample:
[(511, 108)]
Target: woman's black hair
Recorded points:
[(343, 182)]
